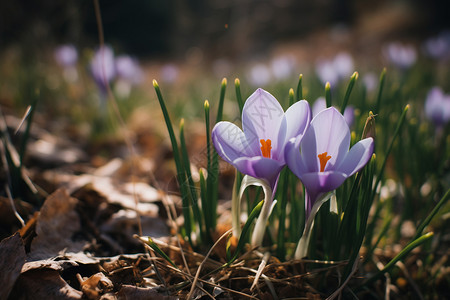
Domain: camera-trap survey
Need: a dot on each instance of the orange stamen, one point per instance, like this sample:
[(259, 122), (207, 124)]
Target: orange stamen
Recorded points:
[(323, 159), (266, 146)]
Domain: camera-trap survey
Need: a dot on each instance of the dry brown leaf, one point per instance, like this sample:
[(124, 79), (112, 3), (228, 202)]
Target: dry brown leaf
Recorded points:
[(56, 224), (43, 284), (96, 285), (12, 258)]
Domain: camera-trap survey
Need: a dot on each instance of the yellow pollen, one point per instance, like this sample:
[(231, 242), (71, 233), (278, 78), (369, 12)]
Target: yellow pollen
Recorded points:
[(323, 159), (266, 146)]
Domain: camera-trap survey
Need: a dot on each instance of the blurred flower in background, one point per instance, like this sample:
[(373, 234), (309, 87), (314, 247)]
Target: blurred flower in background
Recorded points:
[(259, 75), (336, 69), (283, 66), (67, 57), (169, 73), (437, 107), (128, 73), (370, 81), (103, 67), (400, 55), (438, 47)]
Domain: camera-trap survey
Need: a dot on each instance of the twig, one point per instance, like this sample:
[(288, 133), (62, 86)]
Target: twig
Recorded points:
[(203, 262), (260, 269), (410, 280), (8, 192), (339, 290)]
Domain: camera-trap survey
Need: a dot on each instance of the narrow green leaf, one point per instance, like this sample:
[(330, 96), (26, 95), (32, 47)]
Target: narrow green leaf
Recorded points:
[(388, 150), (415, 243), (300, 88), (158, 250), (328, 94), (221, 100), (246, 231), (291, 97), (349, 91), (237, 86), (427, 221), (177, 159), (190, 182)]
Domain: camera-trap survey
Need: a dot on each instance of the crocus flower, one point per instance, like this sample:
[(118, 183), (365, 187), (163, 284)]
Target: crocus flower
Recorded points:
[(321, 104), (321, 158), (437, 107), (102, 67), (258, 149)]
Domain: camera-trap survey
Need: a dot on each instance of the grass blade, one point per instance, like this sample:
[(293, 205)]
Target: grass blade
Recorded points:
[(349, 91), (300, 87), (176, 155)]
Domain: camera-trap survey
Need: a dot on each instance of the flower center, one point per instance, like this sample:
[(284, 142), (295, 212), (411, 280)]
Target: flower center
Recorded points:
[(266, 146), (323, 159)]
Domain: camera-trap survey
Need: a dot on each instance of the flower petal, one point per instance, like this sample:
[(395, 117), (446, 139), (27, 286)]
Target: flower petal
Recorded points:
[(331, 135), (298, 118), (230, 142), (259, 167), (319, 105), (262, 116), (322, 182), (357, 157), (293, 158)]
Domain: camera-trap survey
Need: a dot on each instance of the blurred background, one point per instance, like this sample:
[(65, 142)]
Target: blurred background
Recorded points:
[(189, 46)]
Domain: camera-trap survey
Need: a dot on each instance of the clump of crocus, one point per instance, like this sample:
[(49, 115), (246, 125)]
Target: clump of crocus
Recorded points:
[(257, 150), (437, 107), (322, 161)]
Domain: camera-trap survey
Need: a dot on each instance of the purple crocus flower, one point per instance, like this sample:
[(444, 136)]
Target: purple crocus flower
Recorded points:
[(102, 67), (321, 158), (321, 104), (437, 107), (258, 149)]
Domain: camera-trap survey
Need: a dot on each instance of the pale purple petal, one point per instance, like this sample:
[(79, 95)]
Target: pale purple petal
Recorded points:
[(332, 135), (230, 142), (262, 117), (298, 118), (260, 167), (349, 115), (308, 161), (319, 105), (293, 158), (357, 157), (322, 182)]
